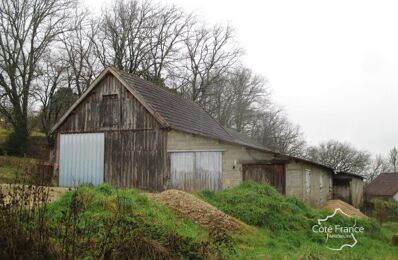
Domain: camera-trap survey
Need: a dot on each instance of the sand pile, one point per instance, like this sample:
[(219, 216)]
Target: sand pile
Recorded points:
[(345, 207), (202, 213)]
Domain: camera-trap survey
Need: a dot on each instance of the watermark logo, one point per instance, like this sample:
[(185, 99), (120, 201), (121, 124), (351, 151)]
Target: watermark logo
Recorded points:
[(338, 236)]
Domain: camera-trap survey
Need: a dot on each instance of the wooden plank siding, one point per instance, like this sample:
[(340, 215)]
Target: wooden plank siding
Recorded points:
[(273, 174), (341, 190), (135, 144)]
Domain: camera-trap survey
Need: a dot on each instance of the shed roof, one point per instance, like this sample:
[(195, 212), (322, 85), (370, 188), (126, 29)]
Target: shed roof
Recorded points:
[(386, 184), (349, 175)]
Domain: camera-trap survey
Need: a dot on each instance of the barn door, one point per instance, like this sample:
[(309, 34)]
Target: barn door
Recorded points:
[(81, 159), (341, 190), (273, 174), (192, 171)]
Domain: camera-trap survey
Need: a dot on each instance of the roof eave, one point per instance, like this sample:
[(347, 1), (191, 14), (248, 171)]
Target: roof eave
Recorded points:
[(159, 118)]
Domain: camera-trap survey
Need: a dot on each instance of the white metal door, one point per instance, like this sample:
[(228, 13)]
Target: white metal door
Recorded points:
[(81, 159), (196, 170)]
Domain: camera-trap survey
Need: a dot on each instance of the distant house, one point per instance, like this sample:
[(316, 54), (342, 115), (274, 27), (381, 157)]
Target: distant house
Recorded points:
[(385, 186), (349, 188), (129, 132)]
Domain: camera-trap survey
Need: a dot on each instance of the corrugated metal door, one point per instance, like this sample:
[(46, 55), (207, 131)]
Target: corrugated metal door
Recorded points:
[(192, 171), (273, 174), (81, 159)]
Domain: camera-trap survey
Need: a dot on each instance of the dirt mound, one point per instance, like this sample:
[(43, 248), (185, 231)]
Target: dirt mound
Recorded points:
[(202, 213), (345, 207)]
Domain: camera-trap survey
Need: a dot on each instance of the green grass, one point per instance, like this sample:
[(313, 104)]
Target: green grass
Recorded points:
[(139, 216), (103, 202), (284, 226), (384, 210), (281, 225), (5, 132), (13, 168)]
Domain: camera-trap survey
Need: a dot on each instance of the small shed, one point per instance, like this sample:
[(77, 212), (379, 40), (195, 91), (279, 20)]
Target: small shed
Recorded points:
[(132, 133), (348, 187), (384, 186)]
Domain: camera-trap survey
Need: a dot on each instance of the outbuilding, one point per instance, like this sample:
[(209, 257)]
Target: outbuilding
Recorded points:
[(129, 132), (349, 188), (384, 186)]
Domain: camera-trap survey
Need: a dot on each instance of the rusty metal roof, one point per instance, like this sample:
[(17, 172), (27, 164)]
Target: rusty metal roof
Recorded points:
[(386, 184)]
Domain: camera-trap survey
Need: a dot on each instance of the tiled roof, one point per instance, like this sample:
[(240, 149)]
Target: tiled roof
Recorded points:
[(178, 112), (386, 184)]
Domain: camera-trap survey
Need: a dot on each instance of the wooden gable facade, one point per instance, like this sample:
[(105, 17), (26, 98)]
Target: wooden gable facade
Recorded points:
[(135, 143)]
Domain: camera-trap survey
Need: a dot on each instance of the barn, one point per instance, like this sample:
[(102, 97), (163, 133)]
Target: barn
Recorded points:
[(131, 133), (349, 188)]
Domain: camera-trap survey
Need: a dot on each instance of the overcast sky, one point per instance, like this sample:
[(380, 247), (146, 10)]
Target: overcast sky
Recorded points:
[(332, 65)]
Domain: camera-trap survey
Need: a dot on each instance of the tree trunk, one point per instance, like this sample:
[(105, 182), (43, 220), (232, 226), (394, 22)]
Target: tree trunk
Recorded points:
[(18, 141)]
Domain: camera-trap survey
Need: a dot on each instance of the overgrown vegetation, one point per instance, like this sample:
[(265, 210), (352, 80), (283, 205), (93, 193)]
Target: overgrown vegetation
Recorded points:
[(100, 222), (104, 222), (25, 171), (9, 140), (285, 226), (383, 210), (14, 169)]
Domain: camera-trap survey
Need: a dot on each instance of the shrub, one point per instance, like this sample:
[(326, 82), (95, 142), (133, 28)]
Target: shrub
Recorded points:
[(384, 210), (95, 222), (24, 229)]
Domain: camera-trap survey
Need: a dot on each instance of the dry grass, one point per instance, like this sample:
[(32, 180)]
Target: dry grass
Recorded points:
[(345, 207), (54, 193)]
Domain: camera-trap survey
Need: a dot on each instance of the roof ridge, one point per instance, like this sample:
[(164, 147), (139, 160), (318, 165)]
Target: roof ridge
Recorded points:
[(180, 97)]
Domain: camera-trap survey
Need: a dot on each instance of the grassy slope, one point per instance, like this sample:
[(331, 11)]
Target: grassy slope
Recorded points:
[(4, 133), (103, 203), (284, 226), (12, 168)]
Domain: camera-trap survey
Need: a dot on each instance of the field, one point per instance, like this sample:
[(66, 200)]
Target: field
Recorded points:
[(13, 169), (104, 222)]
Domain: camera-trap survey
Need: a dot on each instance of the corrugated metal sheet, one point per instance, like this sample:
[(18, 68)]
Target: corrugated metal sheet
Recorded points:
[(196, 170), (81, 159)]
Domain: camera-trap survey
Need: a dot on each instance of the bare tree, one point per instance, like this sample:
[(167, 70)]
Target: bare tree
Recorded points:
[(141, 37), (393, 158), (27, 29), (210, 55), (272, 128), (169, 26), (236, 97), (378, 165), (50, 72), (340, 156), (78, 52), (123, 34)]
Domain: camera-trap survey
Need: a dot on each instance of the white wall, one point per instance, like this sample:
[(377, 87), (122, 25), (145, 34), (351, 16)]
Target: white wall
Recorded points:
[(395, 197)]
